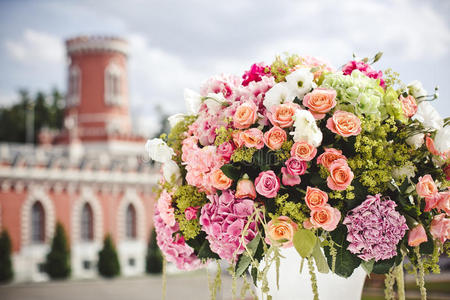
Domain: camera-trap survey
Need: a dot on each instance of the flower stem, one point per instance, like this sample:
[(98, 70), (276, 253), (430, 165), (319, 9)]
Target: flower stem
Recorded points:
[(313, 279)]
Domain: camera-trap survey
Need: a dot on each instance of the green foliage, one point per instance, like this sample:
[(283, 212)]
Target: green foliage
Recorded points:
[(58, 259), (304, 242), (177, 134), (6, 268), (108, 261), (46, 109), (154, 259)]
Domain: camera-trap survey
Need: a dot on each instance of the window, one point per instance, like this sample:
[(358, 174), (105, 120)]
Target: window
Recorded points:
[(87, 223), (130, 222), (131, 262), (113, 85), (86, 264), (37, 223), (74, 84)]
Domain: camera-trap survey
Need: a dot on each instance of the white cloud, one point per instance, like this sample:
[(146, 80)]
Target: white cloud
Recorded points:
[(36, 47)]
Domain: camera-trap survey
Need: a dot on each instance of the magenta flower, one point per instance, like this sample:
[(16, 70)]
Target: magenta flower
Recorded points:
[(375, 228), (366, 69), (256, 72)]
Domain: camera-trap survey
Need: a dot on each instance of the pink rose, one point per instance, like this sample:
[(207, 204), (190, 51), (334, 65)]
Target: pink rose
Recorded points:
[(275, 137), (440, 228), (225, 150), (267, 184), (220, 181), (245, 189), (296, 166), (237, 139), (444, 202), (426, 187), (417, 236), (329, 156), (320, 101), (325, 217), (281, 115), (340, 175), (289, 179), (409, 105), (191, 213), (245, 115), (253, 138), (303, 150), (281, 229), (315, 197), (344, 123)]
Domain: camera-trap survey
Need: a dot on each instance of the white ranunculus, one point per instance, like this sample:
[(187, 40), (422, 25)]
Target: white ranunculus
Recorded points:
[(416, 140), (171, 171), (279, 93), (442, 140), (428, 116), (175, 119), (193, 101), (306, 128), (404, 171), (214, 102), (416, 89), (158, 150), (300, 82)]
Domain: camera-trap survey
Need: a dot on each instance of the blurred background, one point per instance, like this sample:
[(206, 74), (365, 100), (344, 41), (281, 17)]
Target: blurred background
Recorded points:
[(84, 83)]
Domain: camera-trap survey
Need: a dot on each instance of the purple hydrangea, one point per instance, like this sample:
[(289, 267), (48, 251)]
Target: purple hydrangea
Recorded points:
[(375, 228), (223, 220), (174, 247)]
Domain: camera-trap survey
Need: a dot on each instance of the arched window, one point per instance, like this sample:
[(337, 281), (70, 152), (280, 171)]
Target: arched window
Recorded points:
[(74, 85), (130, 222), (113, 85), (87, 223), (37, 223)]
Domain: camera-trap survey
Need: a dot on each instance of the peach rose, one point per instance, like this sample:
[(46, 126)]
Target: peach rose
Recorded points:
[(245, 115), (237, 140), (315, 197), (440, 228), (281, 115), (340, 175), (325, 217), (253, 138), (220, 181), (275, 137), (444, 202), (344, 123), (281, 230), (320, 101), (329, 156), (417, 236), (426, 187), (429, 142), (303, 150), (245, 189), (409, 105)]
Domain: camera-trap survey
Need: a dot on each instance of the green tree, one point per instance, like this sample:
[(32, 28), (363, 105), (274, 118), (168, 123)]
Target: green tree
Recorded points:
[(58, 259), (154, 258), (6, 269), (108, 261)]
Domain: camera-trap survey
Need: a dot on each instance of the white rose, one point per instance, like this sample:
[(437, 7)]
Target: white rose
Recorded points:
[(214, 102), (158, 150), (171, 170), (416, 140), (193, 101), (306, 128), (442, 140), (428, 116), (300, 82), (279, 93), (175, 119), (416, 89)]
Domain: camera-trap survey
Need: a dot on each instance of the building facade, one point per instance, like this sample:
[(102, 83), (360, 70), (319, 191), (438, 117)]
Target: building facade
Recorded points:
[(93, 176)]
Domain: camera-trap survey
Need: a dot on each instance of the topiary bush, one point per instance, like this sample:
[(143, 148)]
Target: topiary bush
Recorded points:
[(57, 264), (154, 259), (6, 268), (108, 261)]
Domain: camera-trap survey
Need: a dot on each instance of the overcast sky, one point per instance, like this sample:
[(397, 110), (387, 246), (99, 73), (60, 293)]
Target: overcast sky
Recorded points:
[(178, 44)]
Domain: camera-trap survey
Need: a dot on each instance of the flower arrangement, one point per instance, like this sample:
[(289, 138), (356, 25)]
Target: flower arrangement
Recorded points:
[(351, 167)]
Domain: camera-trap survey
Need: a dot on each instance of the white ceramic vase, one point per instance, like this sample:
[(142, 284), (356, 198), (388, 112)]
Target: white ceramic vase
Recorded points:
[(296, 285)]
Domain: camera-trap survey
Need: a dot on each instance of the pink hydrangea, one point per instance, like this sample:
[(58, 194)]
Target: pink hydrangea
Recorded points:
[(365, 68), (255, 91), (375, 228), (256, 72), (225, 84), (174, 247), (223, 220), (165, 208)]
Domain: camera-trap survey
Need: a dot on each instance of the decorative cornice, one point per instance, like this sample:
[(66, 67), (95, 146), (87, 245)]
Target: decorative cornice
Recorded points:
[(96, 44)]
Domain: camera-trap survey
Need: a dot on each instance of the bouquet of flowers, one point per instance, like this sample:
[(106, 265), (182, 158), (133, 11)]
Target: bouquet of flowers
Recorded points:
[(350, 166)]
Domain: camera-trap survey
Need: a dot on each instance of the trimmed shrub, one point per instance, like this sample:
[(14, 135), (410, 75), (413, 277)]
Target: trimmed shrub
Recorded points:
[(108, 261), (57, 264), (6, 268)]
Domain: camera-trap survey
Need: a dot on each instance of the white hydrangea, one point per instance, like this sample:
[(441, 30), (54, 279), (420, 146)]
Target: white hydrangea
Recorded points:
[(300, 82), (442, 140), (158, 150), (428, 116), (416, 140), (175, 119), (193, 101), (305, 128), (279, 93), (171, 170)]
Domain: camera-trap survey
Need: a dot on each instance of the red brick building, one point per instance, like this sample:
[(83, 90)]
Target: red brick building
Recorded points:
[(93, 176)]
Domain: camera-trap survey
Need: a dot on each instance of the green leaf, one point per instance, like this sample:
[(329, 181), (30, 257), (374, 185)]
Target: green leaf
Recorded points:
[(231, 171), (304, 241), (254, 273), (242, 264), (383, 266), (368, 266), (320, 260), (205, 252)]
